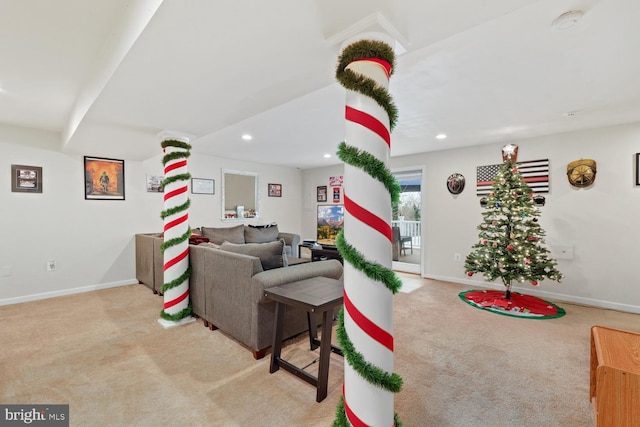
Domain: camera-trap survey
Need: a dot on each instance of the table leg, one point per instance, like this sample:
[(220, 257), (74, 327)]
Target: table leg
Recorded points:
[(325, 352), (276, 346), (312, 322)]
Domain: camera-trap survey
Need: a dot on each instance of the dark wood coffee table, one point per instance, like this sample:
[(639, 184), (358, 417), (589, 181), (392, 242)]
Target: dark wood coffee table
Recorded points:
[(315, 295)]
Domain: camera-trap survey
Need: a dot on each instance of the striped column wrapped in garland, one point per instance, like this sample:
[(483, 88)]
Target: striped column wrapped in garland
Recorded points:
[(175, 248), (365, 325)]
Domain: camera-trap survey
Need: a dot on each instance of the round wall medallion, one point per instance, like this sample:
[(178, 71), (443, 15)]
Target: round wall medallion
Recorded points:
[(455, 183), (581, 173)]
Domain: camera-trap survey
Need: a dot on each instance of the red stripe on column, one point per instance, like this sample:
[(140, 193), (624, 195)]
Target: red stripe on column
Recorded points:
[(177, 300), (175, 192), (363, 322), (176, 221), (175, 260), (363, 215), (368, 121), (172, 166), (351, 416), (384, 64)]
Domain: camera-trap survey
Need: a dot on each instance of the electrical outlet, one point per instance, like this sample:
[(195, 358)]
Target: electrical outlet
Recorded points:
[(51, 265), (456, 257)]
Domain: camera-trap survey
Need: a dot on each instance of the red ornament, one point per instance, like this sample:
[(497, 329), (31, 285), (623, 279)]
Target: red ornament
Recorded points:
[(510, 247), (514, 170), (470, 274), (534, 282), (484, 242), (531, 238)]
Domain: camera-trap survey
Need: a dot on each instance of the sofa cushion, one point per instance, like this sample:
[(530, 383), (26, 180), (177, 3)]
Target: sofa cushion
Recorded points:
[(261, 233), (219, 235), (270, 254)]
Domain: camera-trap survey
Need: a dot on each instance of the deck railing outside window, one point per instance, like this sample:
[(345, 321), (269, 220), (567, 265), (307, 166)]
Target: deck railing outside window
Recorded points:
[(409, 228)]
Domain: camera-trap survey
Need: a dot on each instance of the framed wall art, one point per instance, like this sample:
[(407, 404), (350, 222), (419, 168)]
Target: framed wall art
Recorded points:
[(154, 183), (103, 178), (637, 168), (321, 193), (275, 190), (26, 179), (203, 186)]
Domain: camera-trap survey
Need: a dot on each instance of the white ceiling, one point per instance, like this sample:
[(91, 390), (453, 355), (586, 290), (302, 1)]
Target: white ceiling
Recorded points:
[(108, 76)]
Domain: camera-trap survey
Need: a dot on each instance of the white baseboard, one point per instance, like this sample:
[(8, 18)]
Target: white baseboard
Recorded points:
[(627, 308), (53, 294)]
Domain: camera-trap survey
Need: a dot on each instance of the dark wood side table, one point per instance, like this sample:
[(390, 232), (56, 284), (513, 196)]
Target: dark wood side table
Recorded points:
[(320, 254), (315, 295)]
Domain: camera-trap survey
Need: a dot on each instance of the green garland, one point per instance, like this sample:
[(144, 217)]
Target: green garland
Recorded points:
[(174, 210), (362, 84), (376, 169), (341, 418)]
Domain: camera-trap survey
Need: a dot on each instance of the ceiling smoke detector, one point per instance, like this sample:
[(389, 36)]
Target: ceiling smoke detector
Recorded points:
[(567, 20)]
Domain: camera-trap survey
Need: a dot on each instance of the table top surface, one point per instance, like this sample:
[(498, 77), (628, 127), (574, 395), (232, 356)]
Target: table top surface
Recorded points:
[(314, 294), (618, 349)]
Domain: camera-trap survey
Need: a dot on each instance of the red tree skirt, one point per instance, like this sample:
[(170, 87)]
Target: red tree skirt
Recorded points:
[(518, 305)]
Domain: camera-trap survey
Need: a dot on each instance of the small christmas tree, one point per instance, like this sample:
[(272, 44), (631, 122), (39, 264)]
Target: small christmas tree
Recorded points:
[(511, 245)]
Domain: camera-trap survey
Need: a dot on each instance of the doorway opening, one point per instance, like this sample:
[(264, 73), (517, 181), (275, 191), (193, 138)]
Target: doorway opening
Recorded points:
[(406, 222)]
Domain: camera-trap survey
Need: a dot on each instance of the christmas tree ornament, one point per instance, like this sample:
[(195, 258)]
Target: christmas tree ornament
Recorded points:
[(510, 153)]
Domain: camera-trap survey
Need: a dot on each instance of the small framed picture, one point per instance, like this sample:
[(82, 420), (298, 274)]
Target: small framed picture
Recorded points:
[(322, 193), (103, 178), (203, 186), (26, 179), (275, 190), (154, 184), (637, 168)]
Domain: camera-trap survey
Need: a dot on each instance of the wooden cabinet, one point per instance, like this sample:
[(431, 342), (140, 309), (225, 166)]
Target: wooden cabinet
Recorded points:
[(615, 377)]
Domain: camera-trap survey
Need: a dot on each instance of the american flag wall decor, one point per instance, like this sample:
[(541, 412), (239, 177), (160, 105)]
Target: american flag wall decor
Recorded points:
[(534, 172)]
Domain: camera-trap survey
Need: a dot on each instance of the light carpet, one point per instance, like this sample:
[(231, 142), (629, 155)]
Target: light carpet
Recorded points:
[(105, 355)]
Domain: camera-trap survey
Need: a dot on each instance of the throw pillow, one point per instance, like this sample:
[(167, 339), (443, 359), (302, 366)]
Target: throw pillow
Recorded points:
[(261, 233), (270, 254), (219, 235)]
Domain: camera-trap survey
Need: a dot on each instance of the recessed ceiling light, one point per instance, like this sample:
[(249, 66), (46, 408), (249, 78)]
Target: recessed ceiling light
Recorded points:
[(327, 156), (247, 137), (566, 20), (441, 136)]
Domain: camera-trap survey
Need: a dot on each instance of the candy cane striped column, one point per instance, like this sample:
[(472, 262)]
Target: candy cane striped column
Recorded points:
[(177, 309), (365, 329)]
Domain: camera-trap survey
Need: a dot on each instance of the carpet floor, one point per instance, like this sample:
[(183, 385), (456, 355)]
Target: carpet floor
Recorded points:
[(105, 355)]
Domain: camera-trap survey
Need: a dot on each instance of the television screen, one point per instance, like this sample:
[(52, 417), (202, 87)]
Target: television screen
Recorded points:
[(330, 221)]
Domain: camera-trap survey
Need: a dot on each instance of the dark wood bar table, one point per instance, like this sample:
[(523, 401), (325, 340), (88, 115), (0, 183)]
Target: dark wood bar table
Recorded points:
[(315, 295)]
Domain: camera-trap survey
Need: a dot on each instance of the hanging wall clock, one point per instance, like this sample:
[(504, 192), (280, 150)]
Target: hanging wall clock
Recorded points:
[(455, 183), (581, 173)]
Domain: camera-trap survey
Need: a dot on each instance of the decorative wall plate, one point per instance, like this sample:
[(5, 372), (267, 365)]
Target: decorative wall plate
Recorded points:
[(455, 183), (581, 173)]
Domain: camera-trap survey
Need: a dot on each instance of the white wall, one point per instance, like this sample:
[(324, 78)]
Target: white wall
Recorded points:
[(92, 241), (600, 222)]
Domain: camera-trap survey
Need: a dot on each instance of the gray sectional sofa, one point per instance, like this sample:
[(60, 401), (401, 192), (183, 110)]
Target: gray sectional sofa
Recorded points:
[(228, 281)]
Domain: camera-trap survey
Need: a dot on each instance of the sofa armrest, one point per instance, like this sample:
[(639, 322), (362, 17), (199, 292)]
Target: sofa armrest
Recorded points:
[(279, 276), (291, 240)]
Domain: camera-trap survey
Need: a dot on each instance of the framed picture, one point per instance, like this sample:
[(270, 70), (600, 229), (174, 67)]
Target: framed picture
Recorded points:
[(103, 178), (322, 193), (154, 183), (275, 190), (637, 168), (26, 179), (203, 186)]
